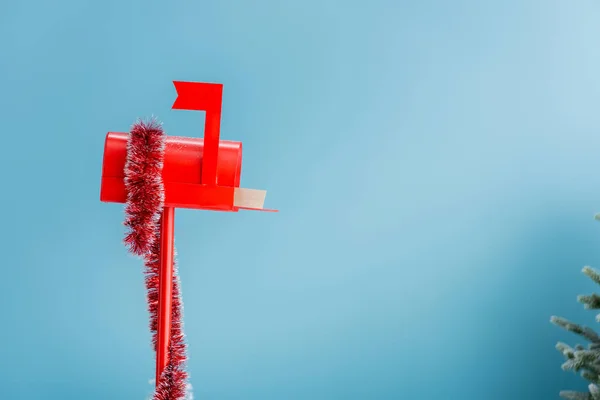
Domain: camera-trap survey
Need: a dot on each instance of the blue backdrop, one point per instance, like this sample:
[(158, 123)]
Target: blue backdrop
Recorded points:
[(436, 164)]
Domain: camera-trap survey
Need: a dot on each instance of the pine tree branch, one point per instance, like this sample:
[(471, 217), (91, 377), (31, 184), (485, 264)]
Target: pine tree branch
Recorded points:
[(578, 358), (590, 302), (570, 395), (592, 274), (584, 331), (594, 391)]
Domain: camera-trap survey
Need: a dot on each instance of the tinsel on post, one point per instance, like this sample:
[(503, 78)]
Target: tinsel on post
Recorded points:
[(579, 358), (145, 202)]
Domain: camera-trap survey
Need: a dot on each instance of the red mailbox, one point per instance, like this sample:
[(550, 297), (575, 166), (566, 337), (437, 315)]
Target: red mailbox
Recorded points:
[(182, 173), (202, 173), (199, 173)]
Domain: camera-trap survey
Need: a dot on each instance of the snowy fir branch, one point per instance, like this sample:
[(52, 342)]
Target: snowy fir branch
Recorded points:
[(585, 360)]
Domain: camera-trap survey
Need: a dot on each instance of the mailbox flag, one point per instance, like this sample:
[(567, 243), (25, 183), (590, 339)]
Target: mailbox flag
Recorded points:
[(198, 96), (207, 97)]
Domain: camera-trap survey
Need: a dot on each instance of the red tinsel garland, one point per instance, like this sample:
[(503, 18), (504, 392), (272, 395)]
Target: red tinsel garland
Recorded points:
[(145, 202)]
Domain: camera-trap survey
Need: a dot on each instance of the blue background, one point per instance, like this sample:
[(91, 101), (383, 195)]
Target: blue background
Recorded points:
[(436, 164)]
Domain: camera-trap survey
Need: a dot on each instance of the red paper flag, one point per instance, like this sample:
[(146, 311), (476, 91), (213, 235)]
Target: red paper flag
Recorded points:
[(207, 97)]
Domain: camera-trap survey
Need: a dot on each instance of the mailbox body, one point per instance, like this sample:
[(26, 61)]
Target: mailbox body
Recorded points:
[(182, 173)]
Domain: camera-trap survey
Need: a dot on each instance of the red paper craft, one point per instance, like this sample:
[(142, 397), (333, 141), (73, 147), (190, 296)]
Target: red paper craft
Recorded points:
[(196, 173)]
